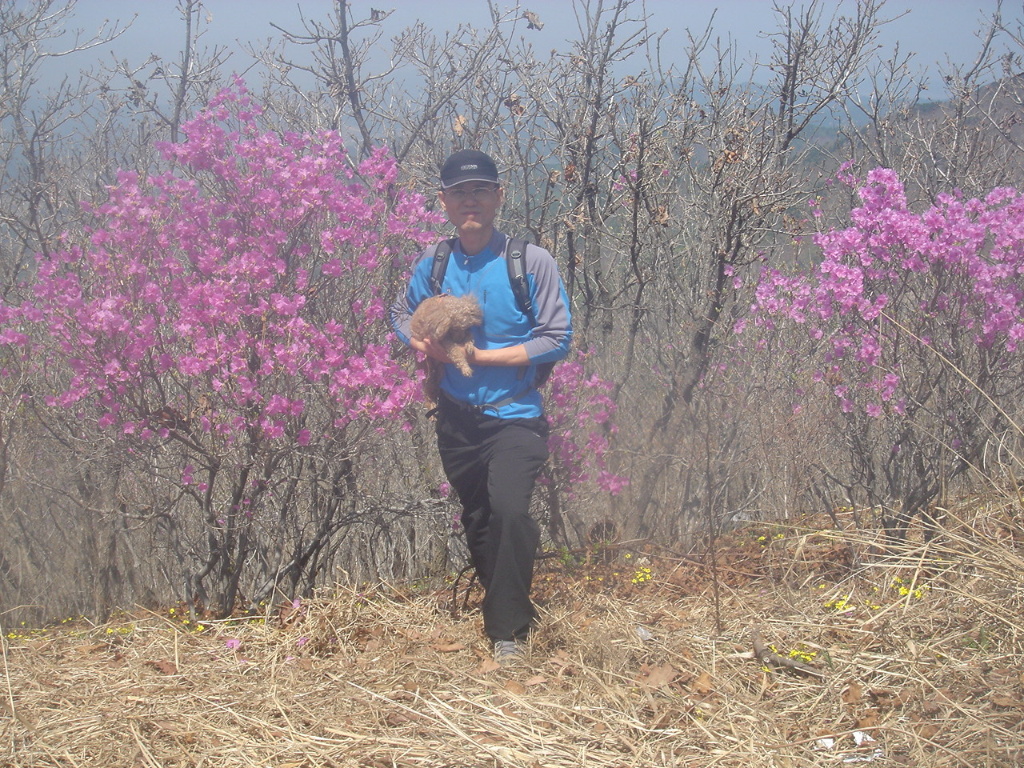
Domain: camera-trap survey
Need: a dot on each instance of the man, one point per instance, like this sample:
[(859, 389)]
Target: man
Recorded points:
[(491, 429)]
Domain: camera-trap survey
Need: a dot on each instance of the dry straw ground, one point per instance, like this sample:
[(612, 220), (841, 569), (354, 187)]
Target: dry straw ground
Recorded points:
[(915, 658)]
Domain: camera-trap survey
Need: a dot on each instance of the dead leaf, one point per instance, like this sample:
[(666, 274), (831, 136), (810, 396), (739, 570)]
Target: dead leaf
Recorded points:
[(163, 666), (515, 105), (515, 687), (1002, 676), (852, 693), (885, 697), (288, 613), (533, 20), (85, 650), (867, 720), (1003, 700), (448, 647), (703, 684), (671, 717), (396, 719), (535, 680), (945, 696), (931, 707), (657, 677), (562, 662), (487, 666), (459, 126)]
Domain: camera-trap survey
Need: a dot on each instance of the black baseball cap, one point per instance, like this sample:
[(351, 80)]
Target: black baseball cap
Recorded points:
[(468, 165)]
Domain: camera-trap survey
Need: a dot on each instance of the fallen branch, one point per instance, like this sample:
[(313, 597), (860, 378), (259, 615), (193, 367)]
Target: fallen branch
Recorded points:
[(455, 591), (770, 659)]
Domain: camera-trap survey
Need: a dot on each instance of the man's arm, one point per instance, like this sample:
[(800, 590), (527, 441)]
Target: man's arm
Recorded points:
[(505, 356), (553, 333), (431, 349), (400, 313)]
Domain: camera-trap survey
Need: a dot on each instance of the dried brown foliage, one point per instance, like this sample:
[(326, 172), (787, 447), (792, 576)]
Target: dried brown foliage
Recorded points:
[(919, 648)]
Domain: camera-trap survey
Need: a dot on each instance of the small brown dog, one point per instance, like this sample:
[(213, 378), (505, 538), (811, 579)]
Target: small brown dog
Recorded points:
[(447, 320)]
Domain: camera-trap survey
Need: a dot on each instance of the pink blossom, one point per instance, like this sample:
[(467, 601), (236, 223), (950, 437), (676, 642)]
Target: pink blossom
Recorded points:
[(954, 267)]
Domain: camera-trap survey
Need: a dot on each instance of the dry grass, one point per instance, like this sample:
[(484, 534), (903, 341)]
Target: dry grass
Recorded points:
[(620, 673)]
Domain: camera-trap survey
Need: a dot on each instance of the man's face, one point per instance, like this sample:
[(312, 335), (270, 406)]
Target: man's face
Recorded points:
[(472, 205)]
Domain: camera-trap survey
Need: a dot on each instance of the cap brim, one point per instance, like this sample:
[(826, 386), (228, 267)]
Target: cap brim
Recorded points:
[(456, 182)]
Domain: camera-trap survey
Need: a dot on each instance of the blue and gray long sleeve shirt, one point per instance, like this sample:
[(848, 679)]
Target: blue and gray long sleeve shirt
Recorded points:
[(485, 276)]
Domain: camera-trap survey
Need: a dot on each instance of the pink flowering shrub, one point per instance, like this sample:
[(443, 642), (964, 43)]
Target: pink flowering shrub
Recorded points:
[(236, 287), (227, 316), (580, 411), (912, 325)]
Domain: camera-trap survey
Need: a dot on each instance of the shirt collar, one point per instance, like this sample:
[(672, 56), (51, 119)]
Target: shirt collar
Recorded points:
[(494, 247)]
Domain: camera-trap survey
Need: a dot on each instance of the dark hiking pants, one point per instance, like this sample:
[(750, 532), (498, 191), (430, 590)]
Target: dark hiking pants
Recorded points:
[(493, 463)]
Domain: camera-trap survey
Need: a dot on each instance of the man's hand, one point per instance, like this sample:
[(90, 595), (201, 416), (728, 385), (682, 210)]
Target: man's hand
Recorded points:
[(431, 349)]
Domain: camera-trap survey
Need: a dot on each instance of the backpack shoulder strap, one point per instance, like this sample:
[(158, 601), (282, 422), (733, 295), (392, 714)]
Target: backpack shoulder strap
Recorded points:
[(515, 254), (442, 252)]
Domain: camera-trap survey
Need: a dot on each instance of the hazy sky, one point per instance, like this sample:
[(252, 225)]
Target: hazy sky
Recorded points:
[(936, 30)]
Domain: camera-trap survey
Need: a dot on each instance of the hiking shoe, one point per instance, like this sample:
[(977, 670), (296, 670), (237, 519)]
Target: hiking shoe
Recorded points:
[(508, 651)]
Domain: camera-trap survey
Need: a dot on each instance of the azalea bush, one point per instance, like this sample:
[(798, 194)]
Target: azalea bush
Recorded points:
[(580, 410), (223, 321), (912, 324), (581, 413)]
